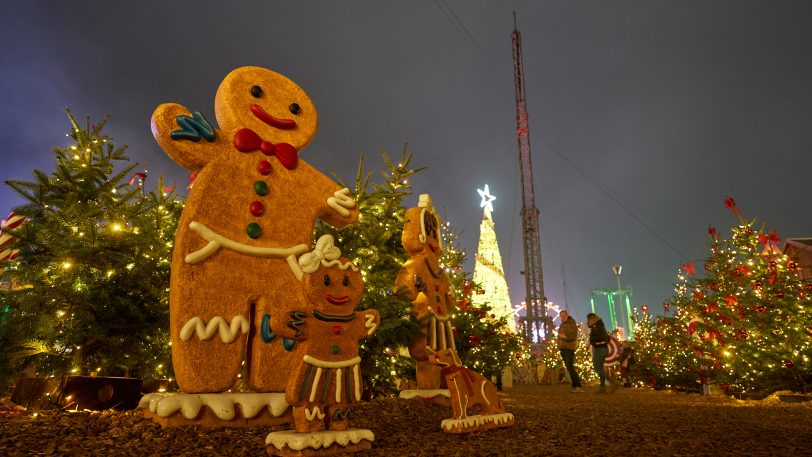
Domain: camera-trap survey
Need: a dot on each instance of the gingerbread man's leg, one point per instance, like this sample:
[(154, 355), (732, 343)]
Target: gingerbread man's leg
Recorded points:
[(209, 326), (273, 354)]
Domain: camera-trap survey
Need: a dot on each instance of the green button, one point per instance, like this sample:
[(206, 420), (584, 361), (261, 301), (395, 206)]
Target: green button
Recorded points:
[(253, 230), (336, 349), (261, 188), (437, 298)]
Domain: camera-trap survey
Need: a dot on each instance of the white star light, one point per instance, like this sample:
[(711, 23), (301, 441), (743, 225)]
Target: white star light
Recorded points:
[(487, 198)]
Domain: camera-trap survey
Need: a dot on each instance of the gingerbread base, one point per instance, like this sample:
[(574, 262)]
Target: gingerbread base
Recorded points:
[(323, 443), (477, 423), (217, 410)]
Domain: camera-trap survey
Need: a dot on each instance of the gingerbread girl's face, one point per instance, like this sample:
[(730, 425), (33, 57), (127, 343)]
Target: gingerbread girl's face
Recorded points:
[(269, 104), (336, 289)]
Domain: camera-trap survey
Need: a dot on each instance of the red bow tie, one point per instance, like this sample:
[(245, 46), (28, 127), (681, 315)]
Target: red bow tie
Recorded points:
[(247, 140)]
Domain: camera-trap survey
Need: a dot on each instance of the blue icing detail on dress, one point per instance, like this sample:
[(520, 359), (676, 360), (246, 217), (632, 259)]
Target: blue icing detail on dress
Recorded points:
[(192, 128), (288, 344)]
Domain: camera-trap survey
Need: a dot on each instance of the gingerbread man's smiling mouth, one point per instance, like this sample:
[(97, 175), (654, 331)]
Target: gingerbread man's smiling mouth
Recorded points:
[(337, 300), (264, 116)]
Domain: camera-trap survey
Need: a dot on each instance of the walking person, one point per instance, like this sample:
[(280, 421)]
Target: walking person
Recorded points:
[(599, 339), (567, 344)]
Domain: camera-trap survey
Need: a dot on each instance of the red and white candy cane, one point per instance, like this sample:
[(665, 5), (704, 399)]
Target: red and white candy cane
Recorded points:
[(12, 222), (615, 350)]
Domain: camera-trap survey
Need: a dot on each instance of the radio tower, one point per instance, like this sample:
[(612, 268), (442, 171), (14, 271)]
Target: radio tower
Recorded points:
[(536, 318)]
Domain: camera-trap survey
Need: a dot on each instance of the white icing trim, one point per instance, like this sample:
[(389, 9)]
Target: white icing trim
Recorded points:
[(217, 241), (482, 392), (317, 440), (223, 405), (342, 266), (338, 385), (327, 364), (442, 336), (356, 374), (315, 386), (426, 393), (228, 331), (340, 201), (315, 413), (474, 421), (463, 407), (370, 324)]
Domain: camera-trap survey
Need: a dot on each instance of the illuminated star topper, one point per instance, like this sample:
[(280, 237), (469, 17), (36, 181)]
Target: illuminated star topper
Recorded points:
[(487, 198)]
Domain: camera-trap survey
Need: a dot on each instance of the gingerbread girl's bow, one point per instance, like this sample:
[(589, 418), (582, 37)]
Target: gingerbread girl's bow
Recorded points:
[(325, 250), (247, 140)]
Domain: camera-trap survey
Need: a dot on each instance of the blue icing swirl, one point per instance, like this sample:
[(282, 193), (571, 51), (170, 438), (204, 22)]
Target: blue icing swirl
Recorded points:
[(192, 128)]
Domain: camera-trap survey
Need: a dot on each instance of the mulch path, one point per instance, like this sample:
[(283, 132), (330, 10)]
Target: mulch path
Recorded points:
[(549, 421)]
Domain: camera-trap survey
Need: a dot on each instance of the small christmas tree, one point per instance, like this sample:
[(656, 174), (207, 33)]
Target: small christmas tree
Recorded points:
[(93, 271), (374, 245), (749, 318)]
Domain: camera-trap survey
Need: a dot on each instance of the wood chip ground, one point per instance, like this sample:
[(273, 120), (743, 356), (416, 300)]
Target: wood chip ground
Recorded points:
[(549, 421)]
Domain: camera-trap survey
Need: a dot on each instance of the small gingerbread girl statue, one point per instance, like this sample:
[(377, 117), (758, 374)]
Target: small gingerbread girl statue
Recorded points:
[(428, 287), (326, 380), (328, 377)]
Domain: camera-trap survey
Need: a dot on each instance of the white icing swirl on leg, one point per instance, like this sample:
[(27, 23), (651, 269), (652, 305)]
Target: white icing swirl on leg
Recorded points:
[(205, 331)]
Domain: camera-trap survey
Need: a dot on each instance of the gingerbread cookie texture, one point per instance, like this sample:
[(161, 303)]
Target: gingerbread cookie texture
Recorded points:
[(253, 205), (326, 380), (428, 287), (468, 389)]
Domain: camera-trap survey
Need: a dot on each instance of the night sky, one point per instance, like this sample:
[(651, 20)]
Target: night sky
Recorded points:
[(644, 115)]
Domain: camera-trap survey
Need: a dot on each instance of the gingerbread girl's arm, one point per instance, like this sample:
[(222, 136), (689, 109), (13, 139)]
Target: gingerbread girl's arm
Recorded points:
[(185, 136)]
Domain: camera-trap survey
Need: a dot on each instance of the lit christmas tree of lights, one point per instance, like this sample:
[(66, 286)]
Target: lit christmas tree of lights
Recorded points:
[(746, 324), (488, 271)]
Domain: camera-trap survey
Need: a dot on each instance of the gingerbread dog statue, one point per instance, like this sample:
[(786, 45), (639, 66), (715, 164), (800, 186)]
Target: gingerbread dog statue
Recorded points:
[(468, 389)]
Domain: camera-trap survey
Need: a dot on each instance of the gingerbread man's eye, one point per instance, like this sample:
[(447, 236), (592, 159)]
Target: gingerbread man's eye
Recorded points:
[(295, 108), (326, 280), (256, 91), (346, 281)]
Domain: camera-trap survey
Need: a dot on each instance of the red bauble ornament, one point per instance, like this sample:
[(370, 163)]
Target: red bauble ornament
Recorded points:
[(792, 266), (789, 363), (779, 294), (474, 340), (809, 287)]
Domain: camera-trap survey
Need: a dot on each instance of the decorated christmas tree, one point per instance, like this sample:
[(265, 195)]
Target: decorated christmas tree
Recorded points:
[(92, 275), (374, 245), (488, 271), (748, 318), (484, 340)]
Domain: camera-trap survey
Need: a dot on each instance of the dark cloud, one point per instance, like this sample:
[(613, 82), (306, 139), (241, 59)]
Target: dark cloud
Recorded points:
[(643, 115)]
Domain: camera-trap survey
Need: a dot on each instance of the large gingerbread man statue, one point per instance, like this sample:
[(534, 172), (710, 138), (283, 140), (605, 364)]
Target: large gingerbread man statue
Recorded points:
[(253, 205), (428, 288)]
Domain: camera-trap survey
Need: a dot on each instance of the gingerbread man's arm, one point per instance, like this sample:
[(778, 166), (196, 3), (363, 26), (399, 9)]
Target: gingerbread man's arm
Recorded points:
[(186, 137), (334, 204)]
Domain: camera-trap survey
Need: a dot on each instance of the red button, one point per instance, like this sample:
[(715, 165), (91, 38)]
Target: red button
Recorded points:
[(257, 208), (337, 330), (264, 167)]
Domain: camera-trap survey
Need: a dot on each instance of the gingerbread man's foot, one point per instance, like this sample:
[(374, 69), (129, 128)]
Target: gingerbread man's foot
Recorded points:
[(338, 419), (308, 418)]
